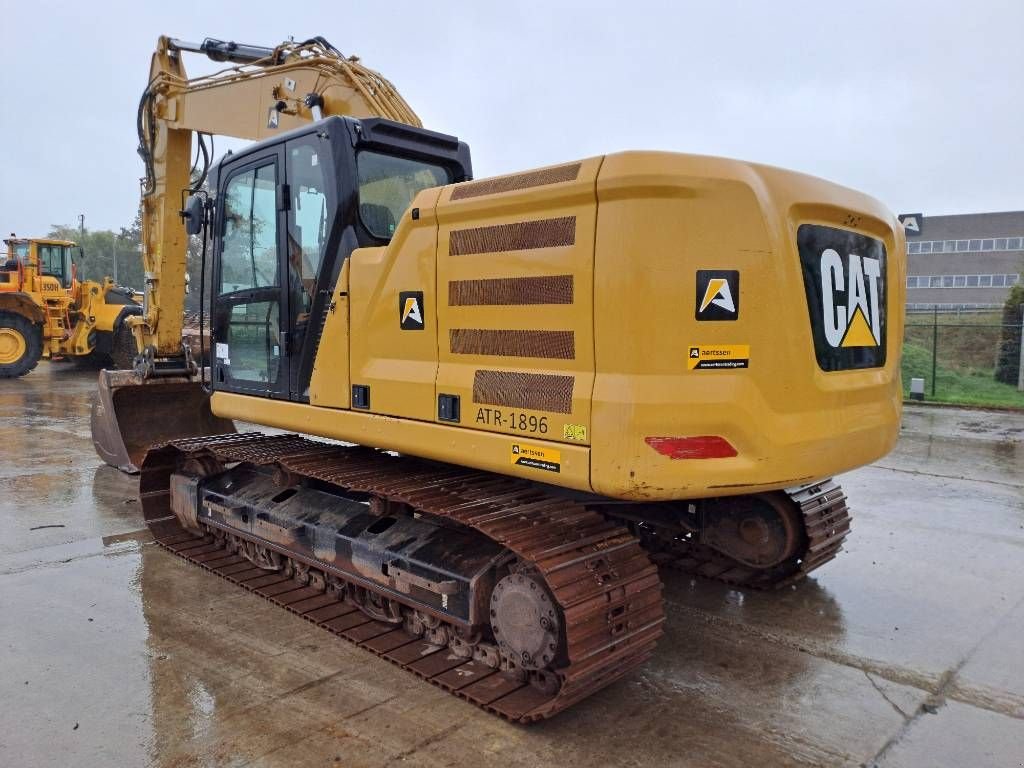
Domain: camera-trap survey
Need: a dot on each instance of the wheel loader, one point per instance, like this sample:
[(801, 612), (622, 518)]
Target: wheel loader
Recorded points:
[(532, 391), (46, 311)]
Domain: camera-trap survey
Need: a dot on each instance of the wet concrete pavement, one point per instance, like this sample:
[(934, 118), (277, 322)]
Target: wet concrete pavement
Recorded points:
[(907, 650)]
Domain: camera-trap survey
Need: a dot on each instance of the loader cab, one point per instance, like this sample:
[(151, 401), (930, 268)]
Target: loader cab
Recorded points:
[(54, 259), (287, 214), (47, 258)]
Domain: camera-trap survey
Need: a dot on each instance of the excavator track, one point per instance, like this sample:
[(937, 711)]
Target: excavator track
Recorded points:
[(607, 588), (825, 517)]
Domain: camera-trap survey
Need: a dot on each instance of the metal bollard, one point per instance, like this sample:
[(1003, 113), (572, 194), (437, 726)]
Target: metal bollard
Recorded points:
[(917, 389)]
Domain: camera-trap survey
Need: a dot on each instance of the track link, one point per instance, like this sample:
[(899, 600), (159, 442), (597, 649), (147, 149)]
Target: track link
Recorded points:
[(826, 521), (597, 572)]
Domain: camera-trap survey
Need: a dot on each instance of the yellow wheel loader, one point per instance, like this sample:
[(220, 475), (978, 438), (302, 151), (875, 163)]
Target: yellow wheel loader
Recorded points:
[(46, 311), (537, 387)]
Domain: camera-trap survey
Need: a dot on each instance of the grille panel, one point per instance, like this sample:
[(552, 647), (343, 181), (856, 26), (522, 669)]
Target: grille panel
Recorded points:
[(556, 289), (534, 391), (518, 236), (552, 345)]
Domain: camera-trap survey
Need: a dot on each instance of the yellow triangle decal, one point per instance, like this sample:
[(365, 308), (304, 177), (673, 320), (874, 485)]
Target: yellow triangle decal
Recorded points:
[(714, 286), (858, 333)]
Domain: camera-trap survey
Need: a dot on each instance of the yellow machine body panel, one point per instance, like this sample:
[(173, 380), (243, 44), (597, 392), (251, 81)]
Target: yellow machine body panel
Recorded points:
[(399, 367), (642, 325), (515, 282), (789, 421)]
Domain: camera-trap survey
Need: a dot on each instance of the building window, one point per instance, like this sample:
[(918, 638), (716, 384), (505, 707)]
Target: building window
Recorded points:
[(998, 281), (950, 246), (975, 245), (934, 281), (914, 247), (985, 281), (961, 245), (1000, 243), (972, 281), (986, 245), (947, 281), (911, 282), (1012, 279), (926, 246), (1013, 244), (959, 281)]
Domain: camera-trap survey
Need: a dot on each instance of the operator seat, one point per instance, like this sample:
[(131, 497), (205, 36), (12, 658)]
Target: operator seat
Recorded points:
[(378, 219)]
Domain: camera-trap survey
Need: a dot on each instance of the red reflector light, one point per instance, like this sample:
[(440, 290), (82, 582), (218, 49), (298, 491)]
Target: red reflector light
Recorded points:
[(699, 447)]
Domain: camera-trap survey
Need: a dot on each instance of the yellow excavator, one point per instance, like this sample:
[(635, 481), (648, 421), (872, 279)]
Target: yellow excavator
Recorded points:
[(47, 312), (535, 389)]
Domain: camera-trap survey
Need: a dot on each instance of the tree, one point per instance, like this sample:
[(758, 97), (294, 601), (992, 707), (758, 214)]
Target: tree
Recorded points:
[(1008, 357)]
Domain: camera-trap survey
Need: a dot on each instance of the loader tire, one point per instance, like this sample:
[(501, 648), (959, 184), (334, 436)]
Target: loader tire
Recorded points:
[(21, 345), (122, 352)]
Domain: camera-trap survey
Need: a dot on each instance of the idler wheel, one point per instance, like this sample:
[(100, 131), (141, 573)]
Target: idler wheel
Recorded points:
[(525, 621), (762, 530)]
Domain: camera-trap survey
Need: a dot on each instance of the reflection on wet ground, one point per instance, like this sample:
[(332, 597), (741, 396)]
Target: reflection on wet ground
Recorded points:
[(904, 651)]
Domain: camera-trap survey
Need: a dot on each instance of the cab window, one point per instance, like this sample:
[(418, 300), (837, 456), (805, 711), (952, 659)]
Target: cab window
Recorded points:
[(247, 319), (249, 258), (53, 261), (310, 217), (387, 186)]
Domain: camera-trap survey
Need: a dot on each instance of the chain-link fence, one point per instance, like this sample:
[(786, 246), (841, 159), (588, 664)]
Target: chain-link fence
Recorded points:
[(971, 357)]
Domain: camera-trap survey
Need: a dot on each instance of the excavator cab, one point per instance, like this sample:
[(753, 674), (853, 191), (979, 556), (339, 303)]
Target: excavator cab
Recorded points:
[(286, 213)]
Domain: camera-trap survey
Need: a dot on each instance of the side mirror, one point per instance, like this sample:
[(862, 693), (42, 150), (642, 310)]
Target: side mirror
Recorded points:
[(193, 214)]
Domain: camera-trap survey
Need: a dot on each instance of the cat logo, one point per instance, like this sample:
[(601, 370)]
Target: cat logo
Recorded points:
[(410, 310), (844, 279), (718, 294), (855, 323)]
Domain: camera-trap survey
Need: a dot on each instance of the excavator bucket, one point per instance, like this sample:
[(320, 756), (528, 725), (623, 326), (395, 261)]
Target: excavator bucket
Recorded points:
[(131, 414)]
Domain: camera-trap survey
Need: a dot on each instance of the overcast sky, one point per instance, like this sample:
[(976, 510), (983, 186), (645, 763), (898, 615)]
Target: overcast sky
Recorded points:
[(917, 103)]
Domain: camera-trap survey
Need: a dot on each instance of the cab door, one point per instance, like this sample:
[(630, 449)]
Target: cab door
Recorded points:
[(250, 304)]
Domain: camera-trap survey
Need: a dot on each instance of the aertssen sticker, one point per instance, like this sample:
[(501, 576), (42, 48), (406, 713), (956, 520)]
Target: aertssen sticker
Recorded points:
[(536, 457), (705, 356)]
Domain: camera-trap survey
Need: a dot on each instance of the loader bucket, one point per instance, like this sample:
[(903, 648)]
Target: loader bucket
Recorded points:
[(130, 414)]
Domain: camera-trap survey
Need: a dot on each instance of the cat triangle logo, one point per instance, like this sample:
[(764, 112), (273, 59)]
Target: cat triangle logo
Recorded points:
[(719, 294), (858, 333)]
